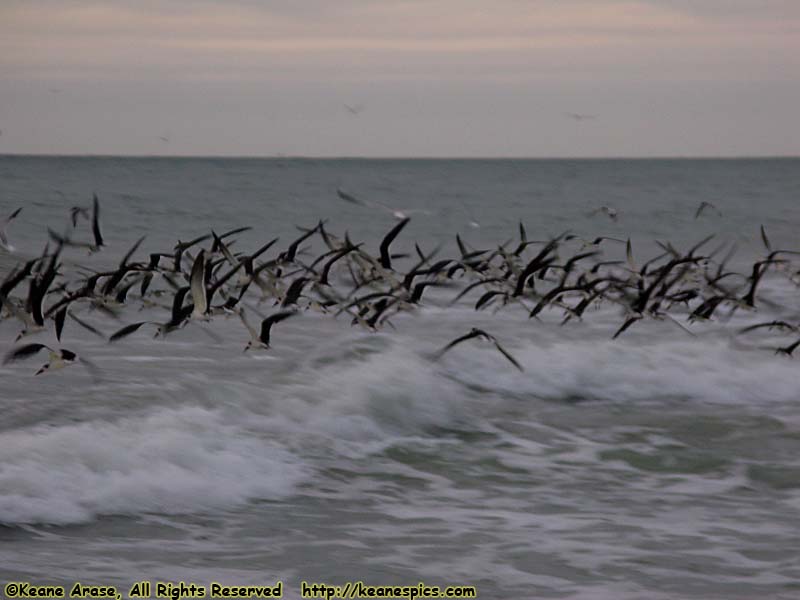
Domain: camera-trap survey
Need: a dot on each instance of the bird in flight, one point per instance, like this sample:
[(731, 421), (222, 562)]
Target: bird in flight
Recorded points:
[(354, 109), (479, 333), (397, 213), (260, 338), (4, 243), (98, 237), (58, 359), (609, 211), (706, 205), (579, 116), (76, 212)]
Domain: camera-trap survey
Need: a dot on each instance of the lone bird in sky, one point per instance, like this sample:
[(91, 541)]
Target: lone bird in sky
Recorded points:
[(706, 205), (609, 211), (579, 116), (354, 109)]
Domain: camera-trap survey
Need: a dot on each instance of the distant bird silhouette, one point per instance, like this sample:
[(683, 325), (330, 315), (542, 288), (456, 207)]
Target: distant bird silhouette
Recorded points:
[(609, 211), (78, 211), (706, 205), (354, 109), (579, 116), (397, 213)]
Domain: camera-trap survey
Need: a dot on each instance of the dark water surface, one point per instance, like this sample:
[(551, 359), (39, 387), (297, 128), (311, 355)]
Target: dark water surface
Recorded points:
[(657, 465)]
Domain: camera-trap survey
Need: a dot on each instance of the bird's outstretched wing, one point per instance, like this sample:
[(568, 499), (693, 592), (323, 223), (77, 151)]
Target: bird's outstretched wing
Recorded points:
[(98, 237), (198, 284), (246, 323), (505, 353), (267, 323), (349, 198), (24, 352), (386, 261), (91, 367), (704, 205), (467, 336), (126, 331), (86, 325), (765, 239)]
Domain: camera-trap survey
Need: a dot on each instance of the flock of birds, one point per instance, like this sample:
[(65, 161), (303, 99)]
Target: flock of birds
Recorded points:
[(205, 278)]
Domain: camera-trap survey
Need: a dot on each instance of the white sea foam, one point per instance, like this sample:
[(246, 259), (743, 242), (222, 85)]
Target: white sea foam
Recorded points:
[(168, 461), (633, 371)]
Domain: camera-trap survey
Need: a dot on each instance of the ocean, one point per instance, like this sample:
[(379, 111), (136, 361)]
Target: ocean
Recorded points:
[(661, 464)]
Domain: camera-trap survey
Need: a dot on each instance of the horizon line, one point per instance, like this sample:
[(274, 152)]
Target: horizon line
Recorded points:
[(398, 157)]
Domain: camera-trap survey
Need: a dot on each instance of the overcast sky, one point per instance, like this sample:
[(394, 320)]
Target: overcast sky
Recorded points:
[(423, 77)]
